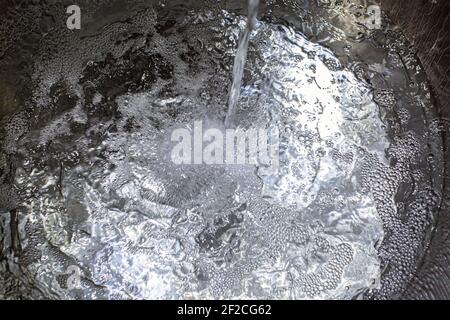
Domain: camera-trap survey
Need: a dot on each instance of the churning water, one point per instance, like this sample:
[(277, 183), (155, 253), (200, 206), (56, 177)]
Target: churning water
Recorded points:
[(87, 190)]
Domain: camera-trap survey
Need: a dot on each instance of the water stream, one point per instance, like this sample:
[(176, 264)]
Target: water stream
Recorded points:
[(239, 60)]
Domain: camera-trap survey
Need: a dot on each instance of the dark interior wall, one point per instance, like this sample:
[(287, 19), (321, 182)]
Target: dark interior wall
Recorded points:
[(427, 24)]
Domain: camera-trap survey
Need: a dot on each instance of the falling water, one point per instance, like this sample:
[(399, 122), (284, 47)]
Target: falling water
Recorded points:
[(239, 60)]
